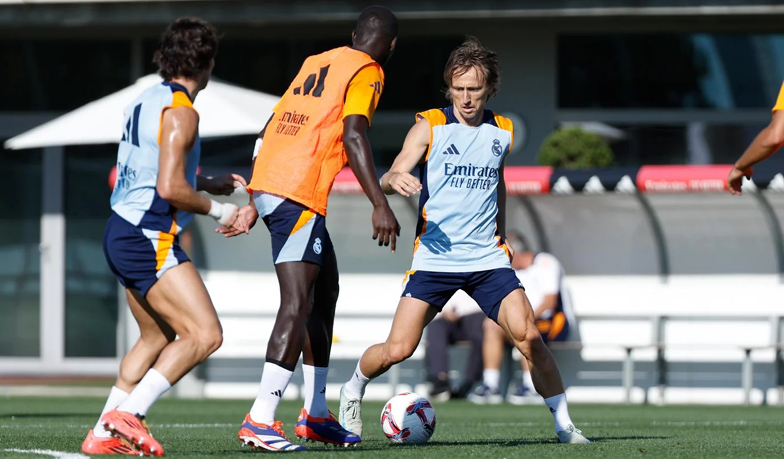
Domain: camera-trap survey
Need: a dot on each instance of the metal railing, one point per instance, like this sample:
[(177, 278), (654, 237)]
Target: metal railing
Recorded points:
[(659, 343)]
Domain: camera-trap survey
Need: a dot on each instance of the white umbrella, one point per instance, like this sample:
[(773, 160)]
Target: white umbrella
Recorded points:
[(224, 110)]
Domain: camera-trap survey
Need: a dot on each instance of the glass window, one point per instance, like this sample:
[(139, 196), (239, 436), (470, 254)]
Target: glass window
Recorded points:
[(686, 143), (414, 75), (90, 287), (719, 71), (20, 236), (61, 74)]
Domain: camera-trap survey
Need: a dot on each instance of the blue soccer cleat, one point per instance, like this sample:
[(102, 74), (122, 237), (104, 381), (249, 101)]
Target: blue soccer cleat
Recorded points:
[(266, 437), (325, 430)]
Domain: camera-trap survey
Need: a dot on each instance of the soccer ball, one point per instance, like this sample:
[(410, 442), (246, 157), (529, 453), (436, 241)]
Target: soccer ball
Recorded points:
[(408, 418)]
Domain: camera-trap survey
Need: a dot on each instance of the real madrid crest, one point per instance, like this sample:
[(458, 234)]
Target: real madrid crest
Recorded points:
[(497, 150)]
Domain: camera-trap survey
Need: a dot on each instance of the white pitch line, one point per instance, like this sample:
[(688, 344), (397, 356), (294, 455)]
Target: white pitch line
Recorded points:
[(714, 423), (49, 452)]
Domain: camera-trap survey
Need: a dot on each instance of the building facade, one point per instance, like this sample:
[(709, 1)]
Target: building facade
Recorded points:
[(666, 82)]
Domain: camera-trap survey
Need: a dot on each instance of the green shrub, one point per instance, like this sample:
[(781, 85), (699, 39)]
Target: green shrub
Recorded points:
[(573, 148)]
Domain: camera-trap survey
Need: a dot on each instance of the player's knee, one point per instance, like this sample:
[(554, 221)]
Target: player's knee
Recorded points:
[(294, 312), (210, 340), (396, 353)]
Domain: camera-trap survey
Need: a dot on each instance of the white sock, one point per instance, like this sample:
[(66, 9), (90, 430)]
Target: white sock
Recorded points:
[(491, 378), (315, 390), (557, 405), (274, 380), (116, 396), (354, 389), (528, 382), (149, 389)]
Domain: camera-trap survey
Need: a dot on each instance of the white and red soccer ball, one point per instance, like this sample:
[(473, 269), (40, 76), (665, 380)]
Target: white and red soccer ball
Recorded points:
[(408, 418)]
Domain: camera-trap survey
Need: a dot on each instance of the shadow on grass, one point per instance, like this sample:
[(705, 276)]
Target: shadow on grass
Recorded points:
[(523, 442), (630, 437)]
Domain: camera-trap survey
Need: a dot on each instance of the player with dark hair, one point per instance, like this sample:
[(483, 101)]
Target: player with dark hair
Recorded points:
[(155, 196), (318, 126), (460, 241)]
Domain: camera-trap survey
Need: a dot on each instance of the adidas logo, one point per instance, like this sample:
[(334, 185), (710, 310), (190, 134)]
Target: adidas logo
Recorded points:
[(323, 391), (451, 150), (277, 393)]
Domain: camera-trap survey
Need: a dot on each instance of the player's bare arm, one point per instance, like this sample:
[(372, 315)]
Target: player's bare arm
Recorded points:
[(178, 134), (767, 142), (385, 225), (399, 178), (222, 185)]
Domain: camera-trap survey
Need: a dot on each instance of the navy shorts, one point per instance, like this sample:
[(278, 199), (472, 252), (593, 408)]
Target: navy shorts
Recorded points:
[(138, 256), (487, 288), (298, 234)]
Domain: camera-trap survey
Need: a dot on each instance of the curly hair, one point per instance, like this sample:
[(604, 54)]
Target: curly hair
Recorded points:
[(188, 46), (472, 54)]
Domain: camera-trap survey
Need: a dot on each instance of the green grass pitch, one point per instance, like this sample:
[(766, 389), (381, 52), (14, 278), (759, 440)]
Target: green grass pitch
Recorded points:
[(193, 429)]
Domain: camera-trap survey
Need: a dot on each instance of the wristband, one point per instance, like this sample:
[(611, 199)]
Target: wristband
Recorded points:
[(256, 148), (222, 213)]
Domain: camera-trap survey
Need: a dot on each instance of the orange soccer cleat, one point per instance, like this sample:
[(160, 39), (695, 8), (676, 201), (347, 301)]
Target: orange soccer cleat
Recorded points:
[(133, 429), (107, 445)]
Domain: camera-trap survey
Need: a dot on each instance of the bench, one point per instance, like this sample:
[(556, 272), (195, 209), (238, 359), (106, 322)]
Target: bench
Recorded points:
[(694, 338)]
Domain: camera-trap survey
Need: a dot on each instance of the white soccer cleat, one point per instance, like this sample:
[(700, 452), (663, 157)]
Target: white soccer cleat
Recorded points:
[(350, 414), (573, 436)]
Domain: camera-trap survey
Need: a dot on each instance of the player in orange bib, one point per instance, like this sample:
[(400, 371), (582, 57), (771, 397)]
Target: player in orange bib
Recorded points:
[(319, 125)]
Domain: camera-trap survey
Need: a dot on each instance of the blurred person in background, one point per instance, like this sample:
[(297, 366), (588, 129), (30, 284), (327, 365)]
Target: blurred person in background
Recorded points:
[(767, 142), (542, 275), (460, 243), (155, 196), (460, 321), (319, 125)]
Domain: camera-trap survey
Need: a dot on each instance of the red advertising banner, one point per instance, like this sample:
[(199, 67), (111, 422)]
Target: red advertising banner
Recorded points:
[(682, 179), (527, 179)]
